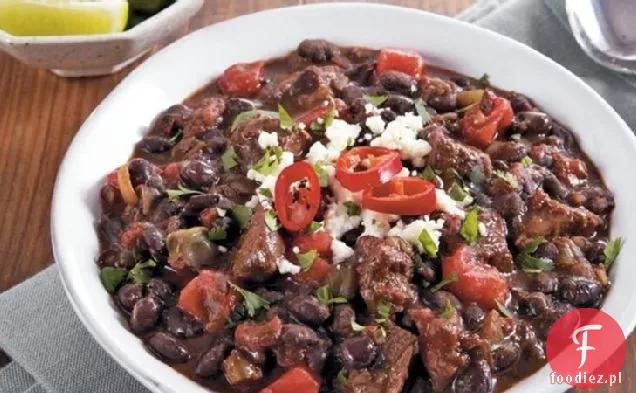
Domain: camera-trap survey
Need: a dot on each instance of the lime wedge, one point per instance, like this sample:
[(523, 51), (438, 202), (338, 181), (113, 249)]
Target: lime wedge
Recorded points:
[(62, 17)]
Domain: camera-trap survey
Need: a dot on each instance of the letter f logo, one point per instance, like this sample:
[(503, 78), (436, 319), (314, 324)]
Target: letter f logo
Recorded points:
[(583, 344)]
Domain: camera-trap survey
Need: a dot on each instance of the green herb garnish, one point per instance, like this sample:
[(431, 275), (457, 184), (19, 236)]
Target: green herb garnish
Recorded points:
[(229, 159), (325, 296), (266, 192), (353, 209), (141, 272), (612, 249), (507, 176), (453, 278), (174, 194), (251, 301), (314, 227), (375, 100), (428, 174), (504, 311), (457, 192), (286, 121), (470, 227), (447, 313), (428, 244), (217, 233), (420, 108), (271, 220), (383, 309), (483, 81), (270, 160), (243, 116), (177, 136), (342, 379), (242, 214), (526, 161), (306, 260), (323, 176), (112, 277), (356, 327)]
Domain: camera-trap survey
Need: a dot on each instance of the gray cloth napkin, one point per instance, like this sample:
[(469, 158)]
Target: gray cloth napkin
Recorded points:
[(53, 353)]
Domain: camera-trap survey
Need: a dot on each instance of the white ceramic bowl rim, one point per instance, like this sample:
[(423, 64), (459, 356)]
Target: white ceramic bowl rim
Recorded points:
[(106, 138)]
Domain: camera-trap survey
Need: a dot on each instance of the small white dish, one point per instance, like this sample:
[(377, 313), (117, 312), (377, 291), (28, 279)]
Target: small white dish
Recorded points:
[(99, 54), (107, 138)]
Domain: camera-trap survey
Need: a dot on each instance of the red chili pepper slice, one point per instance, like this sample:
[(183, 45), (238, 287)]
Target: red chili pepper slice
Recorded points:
[(297, 207), (405, 196), (242, 79), (383, 165), (315, 113), (482, 122), (407, 62)]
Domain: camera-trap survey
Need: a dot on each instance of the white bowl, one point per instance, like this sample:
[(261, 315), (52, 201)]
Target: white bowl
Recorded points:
[(98, 54), (107, 138)]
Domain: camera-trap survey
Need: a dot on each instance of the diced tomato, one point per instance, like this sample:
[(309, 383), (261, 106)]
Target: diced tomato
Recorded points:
[(112, 179), (208, 299), (242, 79), (317, 273), (319, 241), (171, 174), (482, 122), (410, 63), (296, 380), (476, 281), (133, 232), (255, 336)]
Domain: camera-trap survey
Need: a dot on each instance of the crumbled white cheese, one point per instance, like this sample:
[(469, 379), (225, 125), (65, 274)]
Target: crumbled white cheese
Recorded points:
[(447, 204), (376, 224), (404, 172), (401, 134), (371, 109), (221, 212), (252, 203), (222, 249), (284, 267), (340, 133), (302, 126), (338, 222), (375, 124), (269, 181), (367, 137), (342, 194), (321, 153), (267, 139), (483, 231), (411, 232), (295, 250), (341, 252)]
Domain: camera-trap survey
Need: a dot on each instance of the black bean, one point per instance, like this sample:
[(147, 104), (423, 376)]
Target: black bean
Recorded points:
[(350, 237), (473, 316), (169, 348), (553, 186), (564, 135), (306, 83), (181, 325), (546, 282), (210, 363), (197, 203), (507, 151), (159, 289), (351, 93), (145, 314), (109, 258), (153, 144), (506, 355), (547, 250), (318, 50), (477, 378), (362, 74), (357, 352), (108, 230), (234, 106), (153, 237), (140, 171), (129, 294), (520, 103), (388, 115), (398, 104), (398, 82), (580, 291), (533, 304), (342, 317), (199, 174), (309, 310)]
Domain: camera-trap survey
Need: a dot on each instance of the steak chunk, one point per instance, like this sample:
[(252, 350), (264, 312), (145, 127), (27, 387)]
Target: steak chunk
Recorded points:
[(448, 153), (391, 373), (258, 251), (385, 266), (492, 246)]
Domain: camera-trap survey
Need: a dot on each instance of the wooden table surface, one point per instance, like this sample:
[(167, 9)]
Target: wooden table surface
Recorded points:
[(39, 115)]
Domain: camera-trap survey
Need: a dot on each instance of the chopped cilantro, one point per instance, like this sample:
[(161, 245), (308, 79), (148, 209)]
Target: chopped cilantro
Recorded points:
[(141, 272), (242, 214), (507, 177), (314, 227), (286, 121), (112, 277), (457, 192), (428, 244), (243, 116), (251, 301), (174, 194), (453, 278), (306, 260), (270, 160), (229, 158), (526, 161), (447, 312), (375, 100), (420, 108), (470, 226), (612, 249), (325, 296), (217, 233), (353, 209), (483, 81), (271, 220)]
